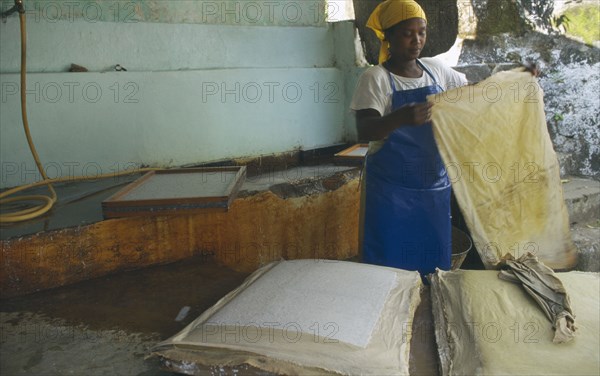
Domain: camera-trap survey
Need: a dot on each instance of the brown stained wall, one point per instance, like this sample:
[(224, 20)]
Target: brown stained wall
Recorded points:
[(257, 229)]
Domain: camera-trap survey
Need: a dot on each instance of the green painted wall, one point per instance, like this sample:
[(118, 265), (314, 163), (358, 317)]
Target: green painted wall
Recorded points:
[(102, 122), (194, 91), (210, 12), (52, 47)]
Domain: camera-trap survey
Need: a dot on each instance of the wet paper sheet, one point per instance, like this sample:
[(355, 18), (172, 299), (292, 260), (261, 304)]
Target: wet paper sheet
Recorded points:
[(488, 326), (495, 144), (308, 317)]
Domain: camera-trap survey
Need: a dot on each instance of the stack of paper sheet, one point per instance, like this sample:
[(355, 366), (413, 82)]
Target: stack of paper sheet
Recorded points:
[(305, 316)]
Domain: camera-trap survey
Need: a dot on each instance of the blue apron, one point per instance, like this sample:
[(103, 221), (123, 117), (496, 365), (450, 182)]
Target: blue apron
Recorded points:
[(407, 203)]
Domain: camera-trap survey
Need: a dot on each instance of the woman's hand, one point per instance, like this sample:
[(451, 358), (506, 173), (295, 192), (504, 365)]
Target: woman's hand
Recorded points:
[(371, 126), (414, 114)]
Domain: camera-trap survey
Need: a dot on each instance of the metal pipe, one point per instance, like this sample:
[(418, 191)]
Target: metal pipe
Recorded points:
[(18, 7)]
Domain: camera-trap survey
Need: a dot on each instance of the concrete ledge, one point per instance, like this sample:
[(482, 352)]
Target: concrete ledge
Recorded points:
[(587, 240), (306, 212), (582, 197)]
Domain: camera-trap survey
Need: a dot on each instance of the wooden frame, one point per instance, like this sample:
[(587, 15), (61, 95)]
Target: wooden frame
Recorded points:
[(353, 155), (124, 203)]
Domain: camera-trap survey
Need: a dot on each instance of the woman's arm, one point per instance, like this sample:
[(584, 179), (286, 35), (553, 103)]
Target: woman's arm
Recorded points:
[(371, 126)]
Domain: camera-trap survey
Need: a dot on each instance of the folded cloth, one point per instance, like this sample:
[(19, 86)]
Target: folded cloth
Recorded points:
[(548, 291)]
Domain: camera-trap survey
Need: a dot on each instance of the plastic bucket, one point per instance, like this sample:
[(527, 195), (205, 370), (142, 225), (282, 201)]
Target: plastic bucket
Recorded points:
[(461, 245)]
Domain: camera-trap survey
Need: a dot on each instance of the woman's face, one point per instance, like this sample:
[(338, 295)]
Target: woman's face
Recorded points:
[(407, 39)]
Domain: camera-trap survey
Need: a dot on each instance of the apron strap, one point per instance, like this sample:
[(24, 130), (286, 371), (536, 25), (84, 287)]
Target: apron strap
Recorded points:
[(426, 70), (391, 81)]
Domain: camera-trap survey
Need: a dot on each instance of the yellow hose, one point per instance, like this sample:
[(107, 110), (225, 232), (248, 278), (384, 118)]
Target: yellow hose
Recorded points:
[(46, 201)]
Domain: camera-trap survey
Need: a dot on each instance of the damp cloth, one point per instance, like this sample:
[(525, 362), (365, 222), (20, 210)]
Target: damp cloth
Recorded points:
[(495, 145), (486, 326), (546, 289), (306, 317)]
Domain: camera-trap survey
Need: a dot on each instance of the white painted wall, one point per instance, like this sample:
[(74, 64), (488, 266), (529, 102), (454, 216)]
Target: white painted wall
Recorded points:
[(103, 122)]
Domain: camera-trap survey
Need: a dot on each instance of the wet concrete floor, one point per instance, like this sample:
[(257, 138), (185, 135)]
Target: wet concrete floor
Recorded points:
[(107, 325)]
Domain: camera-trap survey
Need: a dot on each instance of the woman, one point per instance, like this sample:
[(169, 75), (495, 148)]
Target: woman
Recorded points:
[(406, 196)]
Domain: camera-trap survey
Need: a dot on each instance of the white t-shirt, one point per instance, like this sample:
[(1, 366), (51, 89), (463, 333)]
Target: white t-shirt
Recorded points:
[(375, 91)]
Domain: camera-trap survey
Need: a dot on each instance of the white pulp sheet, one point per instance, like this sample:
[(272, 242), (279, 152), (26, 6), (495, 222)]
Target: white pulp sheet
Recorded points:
[(312, 296), (309, 317)]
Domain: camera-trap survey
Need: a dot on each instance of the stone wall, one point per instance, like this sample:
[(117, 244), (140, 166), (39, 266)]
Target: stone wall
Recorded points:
[(570, 79)]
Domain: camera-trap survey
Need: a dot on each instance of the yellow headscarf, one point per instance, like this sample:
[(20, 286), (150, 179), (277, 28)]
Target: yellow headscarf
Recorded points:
[(388, 14)]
